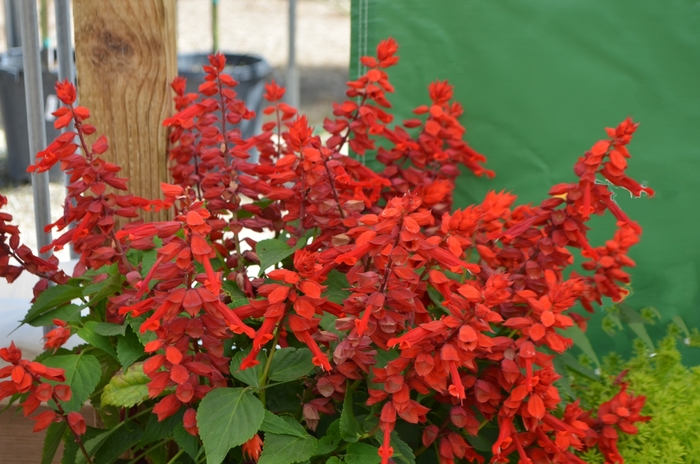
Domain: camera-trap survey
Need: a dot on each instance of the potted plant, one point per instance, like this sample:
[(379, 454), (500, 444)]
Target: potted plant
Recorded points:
[(371, 323)]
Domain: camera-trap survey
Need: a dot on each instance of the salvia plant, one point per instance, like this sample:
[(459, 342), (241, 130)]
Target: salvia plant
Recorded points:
[(302, 308)]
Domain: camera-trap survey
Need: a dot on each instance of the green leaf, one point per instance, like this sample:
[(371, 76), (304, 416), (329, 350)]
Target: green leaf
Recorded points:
[(228, 417), (156, 430), (567, 360), (51, 298), (186, 441), (83, 373), (129, 349), (102, 290), (87, 333), (328, 324), (230, 287), (54, 435), (330, 440), (581, 340), (150, 256), (641, 332), (402, 452), (118, 443), (337, 284), (286, 449), (282, 425), (681, 325), (362, 453), (108, 329), (250, 376), (270, 252), (333, 460), (126, 389), (291, 364), (68, 312), (350, 428), (135, 324)]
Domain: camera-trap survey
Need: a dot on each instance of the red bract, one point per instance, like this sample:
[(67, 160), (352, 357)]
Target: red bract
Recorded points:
[(446, 320)]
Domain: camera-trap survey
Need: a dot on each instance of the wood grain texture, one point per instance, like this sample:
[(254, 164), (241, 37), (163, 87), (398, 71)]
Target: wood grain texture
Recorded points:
[(126, 57), (19, 445)]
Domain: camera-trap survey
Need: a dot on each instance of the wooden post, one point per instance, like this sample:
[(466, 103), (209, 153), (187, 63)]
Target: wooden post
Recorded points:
[(126, 57)]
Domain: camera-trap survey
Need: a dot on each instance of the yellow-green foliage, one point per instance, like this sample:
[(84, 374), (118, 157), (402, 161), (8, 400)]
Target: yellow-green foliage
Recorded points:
[(672, 399)]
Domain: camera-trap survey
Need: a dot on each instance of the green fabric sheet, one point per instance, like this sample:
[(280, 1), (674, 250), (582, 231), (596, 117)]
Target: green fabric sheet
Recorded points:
[(540, 79)]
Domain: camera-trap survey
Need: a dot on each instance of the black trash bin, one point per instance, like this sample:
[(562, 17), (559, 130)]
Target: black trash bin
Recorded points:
[(14, 114), (251, 72)]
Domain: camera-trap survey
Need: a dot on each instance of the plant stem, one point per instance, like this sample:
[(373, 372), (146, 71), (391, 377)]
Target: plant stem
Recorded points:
[(179, 453), (268, 364), (145, 452)]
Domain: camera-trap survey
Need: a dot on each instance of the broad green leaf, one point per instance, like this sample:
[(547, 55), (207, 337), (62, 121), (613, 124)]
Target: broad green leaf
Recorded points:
[(479, 443), (228, 417), (102, 290), (87, 333), (123, 439), (51, 298), (270, 252), (282, 425), (129, 349), (337, 284), (330, 440), (582, 342), (290, 364), (328, 324), (286, 449), (156, 430), (230, 287), (333, 460), (350, 428), (108, 329), (185, 440), (402, 452), (126, 389), (149, 257), (93, 442), (68, 312), (250, 376), (82, 372), (135, 324), (54, 435), (362, 453), (70, 449)]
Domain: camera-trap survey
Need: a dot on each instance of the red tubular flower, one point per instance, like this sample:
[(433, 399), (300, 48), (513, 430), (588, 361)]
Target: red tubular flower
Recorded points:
[(253, 448)]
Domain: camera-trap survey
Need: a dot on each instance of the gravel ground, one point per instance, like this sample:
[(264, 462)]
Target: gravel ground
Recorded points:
[(246, 26)]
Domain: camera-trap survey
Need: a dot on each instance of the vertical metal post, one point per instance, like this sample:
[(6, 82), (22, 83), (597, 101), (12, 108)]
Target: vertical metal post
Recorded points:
[(215, 26), (292, 71), (66, 69), (35, 117)]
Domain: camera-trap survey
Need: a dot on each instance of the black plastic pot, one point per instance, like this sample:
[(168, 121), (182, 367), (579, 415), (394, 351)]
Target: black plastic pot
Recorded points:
[(251, 72), (14, 114)]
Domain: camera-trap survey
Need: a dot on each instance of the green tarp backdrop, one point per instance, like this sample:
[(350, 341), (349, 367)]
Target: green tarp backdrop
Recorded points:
[(540, 79)]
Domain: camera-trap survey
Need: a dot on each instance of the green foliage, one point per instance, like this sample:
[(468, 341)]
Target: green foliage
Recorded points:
[(672, 399), (126, 389)]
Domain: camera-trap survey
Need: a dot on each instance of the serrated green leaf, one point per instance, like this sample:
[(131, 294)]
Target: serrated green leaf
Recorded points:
[(51, 298), (156, 430), (362, 453), (129, 349), (282, 425), (82, 373), (350, 428), (330, 440), (402, 452), (126, 389), (108, 329), (250, 376), (228, 417), (270, 252), (68, 312), (87, 333), (286, 449), (186, 441), (582, 342), (291, 364), (135, 324), (54, 435), (337, 284)]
